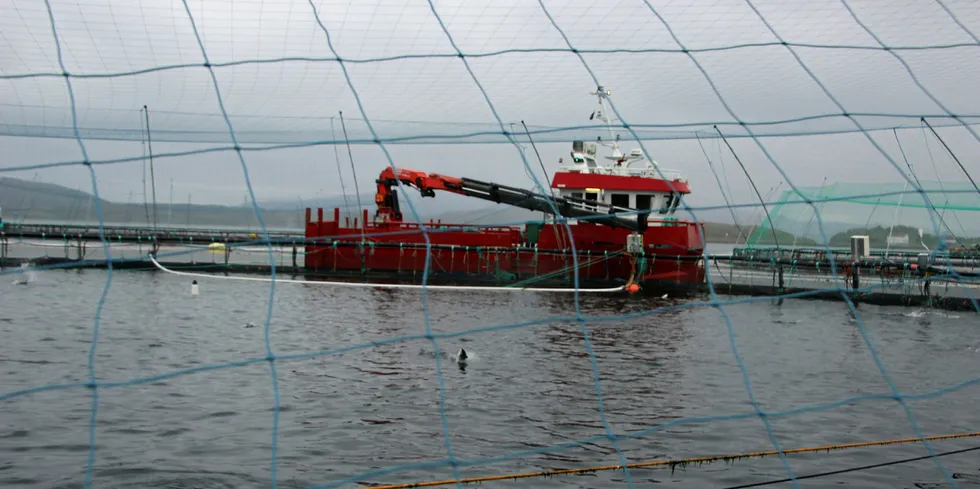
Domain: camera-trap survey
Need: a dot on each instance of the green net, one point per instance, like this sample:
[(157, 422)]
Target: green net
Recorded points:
[(890, 214)]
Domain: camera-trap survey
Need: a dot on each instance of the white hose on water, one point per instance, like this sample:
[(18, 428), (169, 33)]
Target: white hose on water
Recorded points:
[(389, 286)]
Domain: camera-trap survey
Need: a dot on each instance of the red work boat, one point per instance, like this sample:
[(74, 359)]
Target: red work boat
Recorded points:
[(621, 218)]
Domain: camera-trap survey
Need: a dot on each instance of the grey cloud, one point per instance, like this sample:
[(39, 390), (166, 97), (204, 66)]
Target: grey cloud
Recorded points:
[(412, 94)]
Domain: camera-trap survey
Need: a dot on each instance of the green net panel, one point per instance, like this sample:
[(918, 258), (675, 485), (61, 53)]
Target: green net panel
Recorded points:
[(946, 212)]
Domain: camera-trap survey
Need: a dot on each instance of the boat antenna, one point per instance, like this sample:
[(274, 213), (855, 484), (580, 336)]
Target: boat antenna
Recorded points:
[(602, 92)]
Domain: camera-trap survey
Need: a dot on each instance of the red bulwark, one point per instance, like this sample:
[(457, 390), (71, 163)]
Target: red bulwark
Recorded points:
[(614, 182), (399, 248)]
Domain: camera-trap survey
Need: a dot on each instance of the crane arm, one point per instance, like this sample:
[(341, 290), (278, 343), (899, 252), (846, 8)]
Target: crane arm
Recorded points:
[(427, 184), (387, 198)]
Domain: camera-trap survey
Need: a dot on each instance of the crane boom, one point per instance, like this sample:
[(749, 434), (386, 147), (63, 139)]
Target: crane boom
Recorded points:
[(427, 184)]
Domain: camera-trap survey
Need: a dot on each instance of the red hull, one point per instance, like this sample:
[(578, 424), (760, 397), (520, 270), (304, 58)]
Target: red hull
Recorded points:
[(504, 253)]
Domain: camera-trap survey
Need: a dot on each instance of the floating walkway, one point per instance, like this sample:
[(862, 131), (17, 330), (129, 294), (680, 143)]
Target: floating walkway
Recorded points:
[(75, 233), (949, 281)]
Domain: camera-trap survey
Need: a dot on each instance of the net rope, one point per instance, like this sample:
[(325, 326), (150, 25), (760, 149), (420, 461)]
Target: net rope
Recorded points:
[(368, 133)]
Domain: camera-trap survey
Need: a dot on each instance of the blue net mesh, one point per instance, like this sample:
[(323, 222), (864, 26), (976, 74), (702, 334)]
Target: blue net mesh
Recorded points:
[(456, 74)]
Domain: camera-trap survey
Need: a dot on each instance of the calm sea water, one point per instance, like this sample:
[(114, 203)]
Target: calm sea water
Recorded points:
[(523, 389)]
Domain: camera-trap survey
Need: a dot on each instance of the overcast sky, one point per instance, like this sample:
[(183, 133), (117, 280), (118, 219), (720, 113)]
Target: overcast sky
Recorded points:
[(657, 89)]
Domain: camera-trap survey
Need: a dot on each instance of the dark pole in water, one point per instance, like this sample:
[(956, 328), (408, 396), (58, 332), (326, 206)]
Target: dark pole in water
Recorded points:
[(950, 153), (545, 171), (940, 215), (146, 205), (357, 191), (340, 174), (779, 265), (149, 145), (540, 161)]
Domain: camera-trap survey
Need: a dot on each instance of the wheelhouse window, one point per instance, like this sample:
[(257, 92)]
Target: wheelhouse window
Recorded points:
[(677, 202), (592, 197), (644, 202), (668, 203), (620, 200)]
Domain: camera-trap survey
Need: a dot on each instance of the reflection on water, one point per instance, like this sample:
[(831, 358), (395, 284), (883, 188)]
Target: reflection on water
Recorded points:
[(523, 389)]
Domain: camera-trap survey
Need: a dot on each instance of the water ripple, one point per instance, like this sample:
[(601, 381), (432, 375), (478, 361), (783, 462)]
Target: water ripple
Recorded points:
[(522, 389)]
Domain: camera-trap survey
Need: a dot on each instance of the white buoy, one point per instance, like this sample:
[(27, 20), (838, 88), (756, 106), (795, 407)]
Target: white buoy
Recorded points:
[(194, 287)]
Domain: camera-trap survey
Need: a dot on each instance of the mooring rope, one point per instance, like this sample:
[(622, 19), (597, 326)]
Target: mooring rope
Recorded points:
[(855, 469), (676, 462), (392, 286)]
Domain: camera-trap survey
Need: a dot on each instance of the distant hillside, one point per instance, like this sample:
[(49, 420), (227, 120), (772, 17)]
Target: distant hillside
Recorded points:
[(17, 195), (23, 200), (878, 236), (322, 202)]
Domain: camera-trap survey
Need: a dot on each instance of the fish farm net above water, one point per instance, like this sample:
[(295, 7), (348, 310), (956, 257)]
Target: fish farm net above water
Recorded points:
[(888, 213), (149, 135)]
